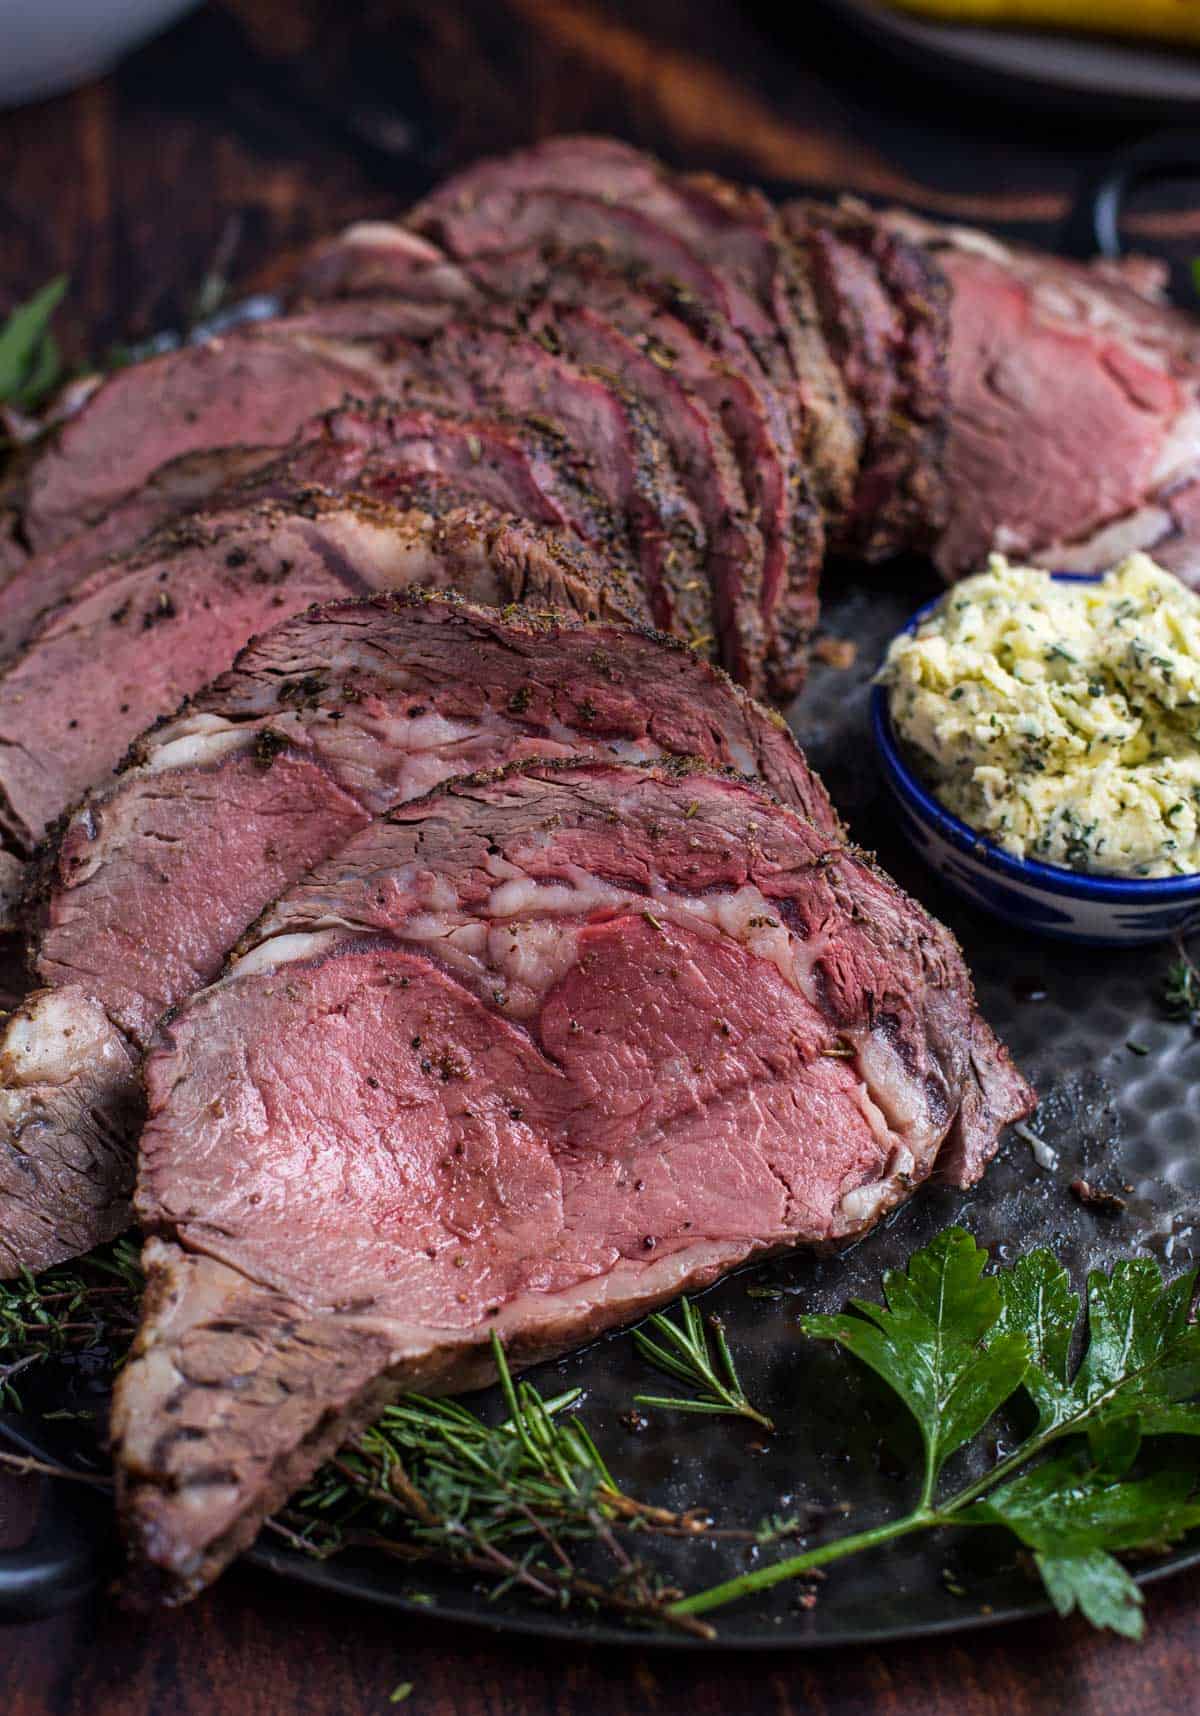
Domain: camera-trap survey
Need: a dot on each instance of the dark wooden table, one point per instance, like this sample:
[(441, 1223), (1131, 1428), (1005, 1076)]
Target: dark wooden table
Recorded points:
[(223, 147)]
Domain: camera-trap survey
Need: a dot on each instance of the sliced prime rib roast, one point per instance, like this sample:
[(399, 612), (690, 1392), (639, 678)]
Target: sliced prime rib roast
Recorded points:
[(724, 272), (260, 383), (885, 308), (733, 229), (162, 436), (605, 433), (756, 523), (138, 636), (323, 722), (527, 1057), (250, 388), (612, 445), (1074, 432), (612, 432), (712, 422), (717, 603), (376, 451)]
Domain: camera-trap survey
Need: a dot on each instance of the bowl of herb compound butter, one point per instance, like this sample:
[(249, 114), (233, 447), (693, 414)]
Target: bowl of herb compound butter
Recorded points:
[(1040, 736)]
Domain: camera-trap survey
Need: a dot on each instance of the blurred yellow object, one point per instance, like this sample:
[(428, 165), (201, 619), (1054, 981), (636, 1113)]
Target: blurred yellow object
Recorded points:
[(1155, 20)]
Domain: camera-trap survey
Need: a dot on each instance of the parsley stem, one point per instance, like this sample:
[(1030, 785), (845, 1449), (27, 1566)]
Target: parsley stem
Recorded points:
[(1019, 1457), (762, 1579), (923, 1517)]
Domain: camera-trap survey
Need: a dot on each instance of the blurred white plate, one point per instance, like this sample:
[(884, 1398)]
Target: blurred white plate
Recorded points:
[(1119, 72), (51, 45)]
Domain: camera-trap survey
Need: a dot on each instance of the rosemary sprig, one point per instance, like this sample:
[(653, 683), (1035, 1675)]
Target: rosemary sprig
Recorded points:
[(684, 1353), (516, 1501)]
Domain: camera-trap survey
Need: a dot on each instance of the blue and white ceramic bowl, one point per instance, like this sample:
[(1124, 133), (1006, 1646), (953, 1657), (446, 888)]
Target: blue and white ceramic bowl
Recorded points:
[(1043, 899)]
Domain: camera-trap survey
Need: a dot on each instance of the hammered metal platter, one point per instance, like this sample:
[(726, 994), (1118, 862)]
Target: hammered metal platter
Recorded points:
[(1120, 1107)]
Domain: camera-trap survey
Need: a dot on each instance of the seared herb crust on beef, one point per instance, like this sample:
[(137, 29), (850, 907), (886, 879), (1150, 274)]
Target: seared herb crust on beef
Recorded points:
[(720, 264), (885, 311)]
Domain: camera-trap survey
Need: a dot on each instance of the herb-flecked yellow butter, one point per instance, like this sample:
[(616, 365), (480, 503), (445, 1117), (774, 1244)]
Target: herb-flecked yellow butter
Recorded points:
[(1061, 719)]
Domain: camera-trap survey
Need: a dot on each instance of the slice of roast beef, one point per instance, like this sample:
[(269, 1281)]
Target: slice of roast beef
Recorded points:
[(253, 386), (1074, 411), (521, 466), (733, 228), (368, 450), (885, 310), (523, 201), (139, 635), (380, 259), (604, 434), (135, 639), (328, 719), (43, 580), (528, 1057), (248, 388), (751, 237)]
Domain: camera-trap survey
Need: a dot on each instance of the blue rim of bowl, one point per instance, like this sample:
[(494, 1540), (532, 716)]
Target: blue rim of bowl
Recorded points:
[(1049, 878)]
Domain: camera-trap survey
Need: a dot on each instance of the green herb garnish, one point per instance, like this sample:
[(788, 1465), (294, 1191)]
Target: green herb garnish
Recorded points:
[(30, 361), (683, 1351), (1181, 989), (530, 1502), (955, 1344), (89, 1306), (514, 1502)]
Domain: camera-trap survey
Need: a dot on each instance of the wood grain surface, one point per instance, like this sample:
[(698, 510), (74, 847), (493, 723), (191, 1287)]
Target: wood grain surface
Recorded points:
[(247, 130)]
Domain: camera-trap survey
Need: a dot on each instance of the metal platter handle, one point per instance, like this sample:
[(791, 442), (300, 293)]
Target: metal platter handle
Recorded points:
[(1093, 227)]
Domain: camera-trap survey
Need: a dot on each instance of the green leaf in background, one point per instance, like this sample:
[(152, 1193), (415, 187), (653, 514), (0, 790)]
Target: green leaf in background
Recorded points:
[(926, 1343), (30, 363)]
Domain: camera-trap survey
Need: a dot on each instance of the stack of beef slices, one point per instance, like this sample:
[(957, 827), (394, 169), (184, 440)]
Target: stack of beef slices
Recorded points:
[(527, 1055), (322, 723), (363, 501), (712, 394), (530, 954), (656, 344), (622, 367), (692, 296)]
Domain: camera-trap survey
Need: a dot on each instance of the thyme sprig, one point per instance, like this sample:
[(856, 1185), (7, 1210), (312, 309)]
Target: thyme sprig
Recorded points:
[(1181, 989), (91, 1306), (683, 1351), (515, 1501)]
